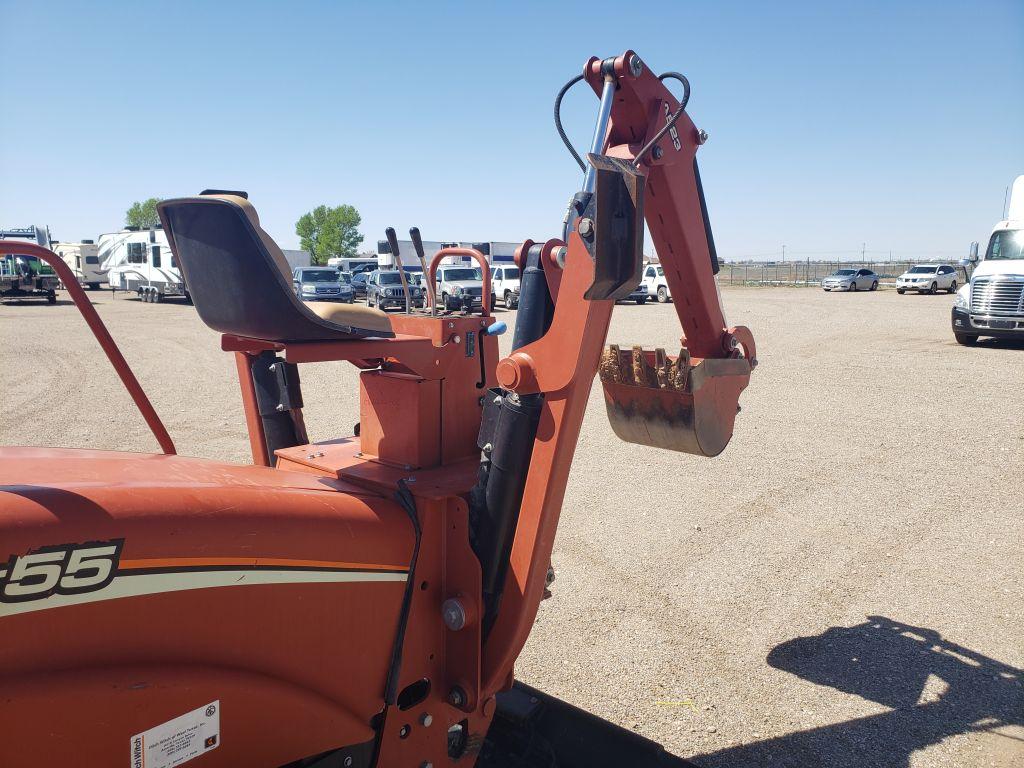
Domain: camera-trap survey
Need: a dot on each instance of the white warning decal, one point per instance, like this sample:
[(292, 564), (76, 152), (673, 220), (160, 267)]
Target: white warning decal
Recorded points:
[(179, 740)]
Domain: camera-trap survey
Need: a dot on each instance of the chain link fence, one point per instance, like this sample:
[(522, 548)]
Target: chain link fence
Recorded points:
[(811, 273)]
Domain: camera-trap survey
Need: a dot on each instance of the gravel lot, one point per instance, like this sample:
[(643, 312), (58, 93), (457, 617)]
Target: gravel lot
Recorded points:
[(842, 587)]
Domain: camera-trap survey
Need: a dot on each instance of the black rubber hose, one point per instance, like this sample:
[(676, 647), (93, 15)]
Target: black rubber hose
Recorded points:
[(558, 122), (672, 120)]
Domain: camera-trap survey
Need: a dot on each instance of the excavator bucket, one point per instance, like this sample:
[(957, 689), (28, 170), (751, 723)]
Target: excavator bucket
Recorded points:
[(679, 403)]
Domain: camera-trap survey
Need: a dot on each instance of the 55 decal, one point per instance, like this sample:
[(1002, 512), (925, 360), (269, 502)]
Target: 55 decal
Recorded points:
[(66, 569)]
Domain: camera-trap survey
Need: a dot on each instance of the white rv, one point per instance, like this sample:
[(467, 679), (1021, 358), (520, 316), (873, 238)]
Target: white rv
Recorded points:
[(992, 302), (141, 261), (84, 260)]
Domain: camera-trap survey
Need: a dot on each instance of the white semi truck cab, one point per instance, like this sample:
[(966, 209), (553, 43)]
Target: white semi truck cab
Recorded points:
[(992, 302)]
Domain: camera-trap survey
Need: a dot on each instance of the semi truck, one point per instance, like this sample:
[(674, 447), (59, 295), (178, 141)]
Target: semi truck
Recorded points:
[(992, 302)]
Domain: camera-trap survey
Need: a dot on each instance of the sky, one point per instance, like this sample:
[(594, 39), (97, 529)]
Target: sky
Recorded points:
[(895, 127)]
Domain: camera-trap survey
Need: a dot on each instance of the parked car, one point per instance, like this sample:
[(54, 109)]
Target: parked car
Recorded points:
[(505, 283), (927, 278), (384, 289), (639, 295), (657, 286), (322, 284), (851, 280), (459, 287), (359, 283)]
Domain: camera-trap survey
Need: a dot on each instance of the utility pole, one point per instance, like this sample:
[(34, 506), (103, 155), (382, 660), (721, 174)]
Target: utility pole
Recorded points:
[(862, 247), (783, 253)]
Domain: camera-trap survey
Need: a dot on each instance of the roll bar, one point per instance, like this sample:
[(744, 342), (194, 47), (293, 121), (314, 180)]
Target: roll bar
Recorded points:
[(485, 271)]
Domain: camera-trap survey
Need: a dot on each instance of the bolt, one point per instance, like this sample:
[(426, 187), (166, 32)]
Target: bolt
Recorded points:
[(403, 732), (657, 152), (457, 339), (410, 479), (280, 407), (454, 614), (348, 762), (451, 325), (513, 398), (457, 697), (560, 253), (702, 136), (636, 67), (273, 367), (426, 719), (733, 342), (586, 227), (753, 363)]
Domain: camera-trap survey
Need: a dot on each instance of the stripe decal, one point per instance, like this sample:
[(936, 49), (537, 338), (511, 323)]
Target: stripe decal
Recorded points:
[(135, 578), (199, 563)]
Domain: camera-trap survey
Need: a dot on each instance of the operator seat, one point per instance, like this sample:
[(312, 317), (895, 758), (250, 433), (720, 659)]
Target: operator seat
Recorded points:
[(240, 281)]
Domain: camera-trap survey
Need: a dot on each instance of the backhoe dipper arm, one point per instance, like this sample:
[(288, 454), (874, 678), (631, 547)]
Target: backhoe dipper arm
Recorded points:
[(674, 205), (685, 403)]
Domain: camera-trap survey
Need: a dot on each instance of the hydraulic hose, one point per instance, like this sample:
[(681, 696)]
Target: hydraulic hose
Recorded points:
[(672, 120), (558, 122)]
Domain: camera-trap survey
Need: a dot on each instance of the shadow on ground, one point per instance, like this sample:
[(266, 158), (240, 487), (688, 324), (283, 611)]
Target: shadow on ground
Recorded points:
[(935, 689)]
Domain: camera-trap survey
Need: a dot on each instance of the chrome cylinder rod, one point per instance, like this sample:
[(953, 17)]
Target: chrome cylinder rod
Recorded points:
[(600, 130)]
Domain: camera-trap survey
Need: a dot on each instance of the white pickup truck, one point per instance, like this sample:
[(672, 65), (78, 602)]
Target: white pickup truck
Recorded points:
[(654, 278), (505, 285), (992, 303)]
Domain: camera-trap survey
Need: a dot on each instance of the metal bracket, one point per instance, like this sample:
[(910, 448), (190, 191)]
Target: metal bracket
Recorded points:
[(614, 235)]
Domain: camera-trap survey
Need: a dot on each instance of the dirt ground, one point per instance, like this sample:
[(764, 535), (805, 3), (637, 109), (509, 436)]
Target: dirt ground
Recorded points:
[(842, 587)]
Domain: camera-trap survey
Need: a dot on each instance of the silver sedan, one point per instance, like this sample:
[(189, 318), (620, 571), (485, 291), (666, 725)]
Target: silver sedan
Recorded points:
[(851, 280)]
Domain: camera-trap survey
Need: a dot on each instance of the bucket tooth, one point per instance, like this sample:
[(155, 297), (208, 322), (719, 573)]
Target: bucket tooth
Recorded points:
[(681, 370), (643, 374), (663, 368), (611, 365)]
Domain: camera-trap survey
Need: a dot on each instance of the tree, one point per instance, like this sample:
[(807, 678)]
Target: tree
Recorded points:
[(143, 215), (329, 232)]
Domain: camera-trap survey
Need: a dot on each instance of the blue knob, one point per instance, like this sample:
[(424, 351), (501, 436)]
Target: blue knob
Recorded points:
[(496, 329)]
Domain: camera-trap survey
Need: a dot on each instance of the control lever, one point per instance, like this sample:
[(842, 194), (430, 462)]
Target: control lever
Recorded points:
[(393, 243), (417, 244)]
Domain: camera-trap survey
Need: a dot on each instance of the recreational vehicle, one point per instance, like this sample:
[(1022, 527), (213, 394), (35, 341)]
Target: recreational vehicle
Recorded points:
[(140, 261), (84, 260)]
